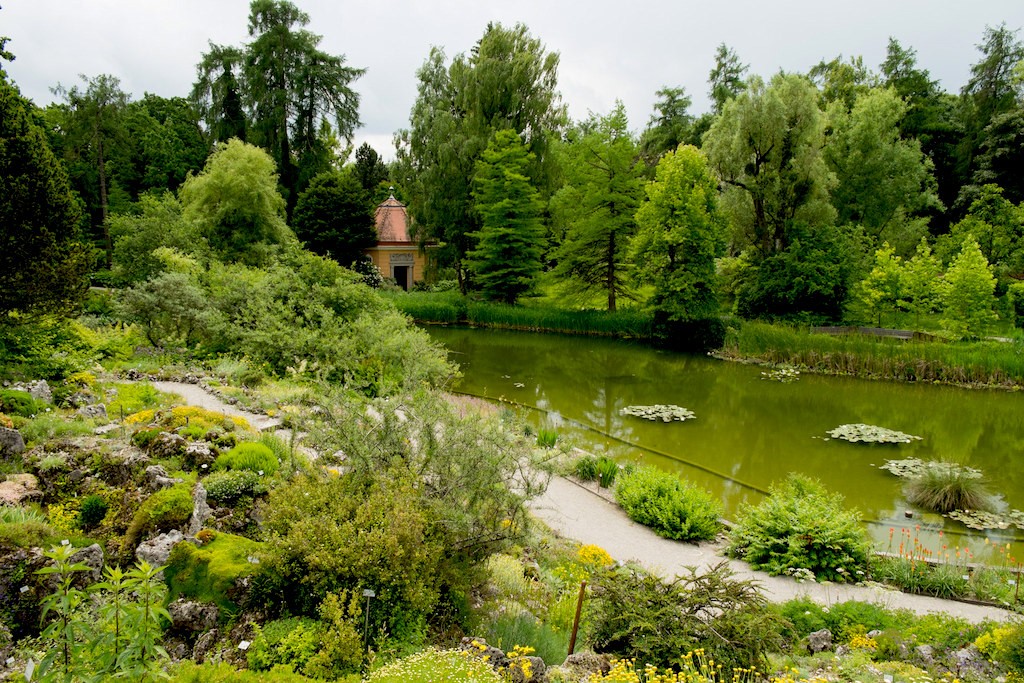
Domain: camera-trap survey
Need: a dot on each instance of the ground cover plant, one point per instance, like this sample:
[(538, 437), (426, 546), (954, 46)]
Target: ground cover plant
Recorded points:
[(673, 508), (800, 527)]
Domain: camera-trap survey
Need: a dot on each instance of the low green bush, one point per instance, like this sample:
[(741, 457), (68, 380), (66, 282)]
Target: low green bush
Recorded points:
[(14, 402), (249, 455), (227, 487), (144, 437), (802, 527), (671, 507), (636, 615), (93, 510), (584, 468), (293, 641), (221, 672), (436, 665)]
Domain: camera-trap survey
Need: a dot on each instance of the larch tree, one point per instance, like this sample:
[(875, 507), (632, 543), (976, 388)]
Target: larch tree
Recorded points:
[(680, 233), (968, 293), (603, 189), (296, 96), (920, 281), (507, 258), (670, 124), (725, 80), (881, 290), (93, 125)]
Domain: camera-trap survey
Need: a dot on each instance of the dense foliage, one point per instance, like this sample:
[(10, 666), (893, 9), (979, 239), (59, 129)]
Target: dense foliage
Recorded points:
[(801, 527), (671, 507)]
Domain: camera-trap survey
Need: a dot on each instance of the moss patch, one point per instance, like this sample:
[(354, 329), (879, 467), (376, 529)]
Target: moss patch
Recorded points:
[(209, 573)]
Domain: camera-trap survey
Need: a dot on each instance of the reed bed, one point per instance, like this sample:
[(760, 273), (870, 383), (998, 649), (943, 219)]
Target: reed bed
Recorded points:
[(452, 308), (988, 363)]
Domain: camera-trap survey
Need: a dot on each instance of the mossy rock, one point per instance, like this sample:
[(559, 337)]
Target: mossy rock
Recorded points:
[(211, 572)]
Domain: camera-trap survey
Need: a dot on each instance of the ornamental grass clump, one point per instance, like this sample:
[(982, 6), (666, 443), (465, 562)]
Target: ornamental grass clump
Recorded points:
[(802, 527), (249, 455), (945, 487), (671, 507)]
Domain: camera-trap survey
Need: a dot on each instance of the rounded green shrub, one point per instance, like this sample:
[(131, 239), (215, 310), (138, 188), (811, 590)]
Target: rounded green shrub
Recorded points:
[(800, 526), (228, 486), (293, 641), (673, 508), (249, 455), (14, 402), (93, 510)]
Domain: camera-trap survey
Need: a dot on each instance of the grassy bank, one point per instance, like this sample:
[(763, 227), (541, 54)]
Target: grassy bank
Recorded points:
[(453, 308), (987, 363)]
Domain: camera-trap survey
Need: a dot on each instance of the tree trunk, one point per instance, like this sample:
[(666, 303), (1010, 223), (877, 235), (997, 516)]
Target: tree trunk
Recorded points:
[(107, 241), (610, 277)]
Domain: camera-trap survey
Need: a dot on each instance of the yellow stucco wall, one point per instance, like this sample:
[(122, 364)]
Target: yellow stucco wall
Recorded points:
[(385, 258)]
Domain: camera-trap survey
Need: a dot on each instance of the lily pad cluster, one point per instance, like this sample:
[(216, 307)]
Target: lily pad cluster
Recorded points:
[(915, 467), (784, 374), (979, 519), (665, 413), (862, 433)]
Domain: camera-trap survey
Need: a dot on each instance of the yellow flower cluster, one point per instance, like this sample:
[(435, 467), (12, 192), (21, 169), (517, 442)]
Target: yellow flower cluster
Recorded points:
[(862, 642), (593, 556), (696, 668)]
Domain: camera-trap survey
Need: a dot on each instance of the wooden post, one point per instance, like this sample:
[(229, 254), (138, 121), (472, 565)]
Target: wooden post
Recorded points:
[(576, 620)]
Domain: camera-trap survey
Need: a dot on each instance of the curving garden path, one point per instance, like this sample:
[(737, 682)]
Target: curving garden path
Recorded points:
[(581, 514)]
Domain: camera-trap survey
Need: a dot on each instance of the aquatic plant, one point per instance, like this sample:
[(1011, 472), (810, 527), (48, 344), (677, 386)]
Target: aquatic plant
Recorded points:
[(784, 374), (945, 487), (862, 433), (665, 413)]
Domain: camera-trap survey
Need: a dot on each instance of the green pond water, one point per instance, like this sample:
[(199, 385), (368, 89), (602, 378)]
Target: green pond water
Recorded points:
[(750, 431)]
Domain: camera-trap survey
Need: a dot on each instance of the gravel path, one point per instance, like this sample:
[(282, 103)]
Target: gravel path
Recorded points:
[(578, 513), (575, 512)]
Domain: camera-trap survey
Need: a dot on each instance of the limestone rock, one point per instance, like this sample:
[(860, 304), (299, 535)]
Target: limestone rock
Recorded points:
[(39, 389), (18, 489), (204, 645), (819, 641), (122, 466), (167, 445), (11, 442), (200, 509), (197, 454), (97, 410), (581, 665), (158, 478), (157, 550), (193, 616), (925, 654), (92, 557), (479, 648)]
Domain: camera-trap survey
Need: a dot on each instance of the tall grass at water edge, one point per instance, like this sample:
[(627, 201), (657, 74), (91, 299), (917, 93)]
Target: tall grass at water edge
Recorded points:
[(451, 308), (986, 363)]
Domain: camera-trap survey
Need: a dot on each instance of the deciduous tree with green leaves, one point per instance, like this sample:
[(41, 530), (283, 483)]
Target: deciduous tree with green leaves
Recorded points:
[(882, 289), (597, 206), (766, 148), (509, 244), (680, 232), (921, 281), (968, 293), (236, 204), (883, 181)]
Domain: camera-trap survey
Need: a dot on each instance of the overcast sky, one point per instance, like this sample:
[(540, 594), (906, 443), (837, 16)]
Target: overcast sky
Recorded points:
[(609, 50)]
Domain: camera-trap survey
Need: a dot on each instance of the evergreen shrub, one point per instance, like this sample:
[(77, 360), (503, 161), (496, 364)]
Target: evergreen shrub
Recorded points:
[(671, 507), (228, 486), (801, 526)]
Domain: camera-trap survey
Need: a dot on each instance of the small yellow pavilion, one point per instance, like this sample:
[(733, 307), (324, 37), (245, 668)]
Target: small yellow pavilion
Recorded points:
[(396, 254)]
